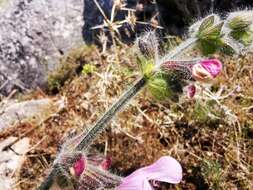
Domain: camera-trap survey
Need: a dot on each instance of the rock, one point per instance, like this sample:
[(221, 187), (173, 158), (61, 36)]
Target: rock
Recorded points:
[(34, 111), (11, 161), (33, 36)]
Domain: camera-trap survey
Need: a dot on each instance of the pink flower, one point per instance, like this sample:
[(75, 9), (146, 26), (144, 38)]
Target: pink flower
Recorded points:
[(206, 70), (166, 169)]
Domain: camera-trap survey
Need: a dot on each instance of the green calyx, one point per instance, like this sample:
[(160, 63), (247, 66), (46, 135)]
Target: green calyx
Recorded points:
[(146, 66), (239, 23), (209, 35), (159, 88), (244, 37), (241, 29), (164, 86)]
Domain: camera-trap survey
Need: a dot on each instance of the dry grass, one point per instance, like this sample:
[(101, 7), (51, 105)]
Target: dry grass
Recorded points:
[(213, 140)]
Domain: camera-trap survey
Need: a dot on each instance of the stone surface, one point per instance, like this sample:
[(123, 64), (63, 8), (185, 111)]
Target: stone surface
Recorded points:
[(11, 161), (34, 111), (33, 36)]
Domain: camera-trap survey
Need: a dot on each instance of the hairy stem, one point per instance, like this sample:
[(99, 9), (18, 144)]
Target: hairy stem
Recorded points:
[(48, 182), (113, 110)]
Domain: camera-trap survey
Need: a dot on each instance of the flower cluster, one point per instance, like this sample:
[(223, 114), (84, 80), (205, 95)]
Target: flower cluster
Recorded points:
[(91, 173)]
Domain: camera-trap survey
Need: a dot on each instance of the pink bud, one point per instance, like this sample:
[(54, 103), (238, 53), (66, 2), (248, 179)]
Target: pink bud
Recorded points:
[(206, 70), (191, 91), (106, 164), (79, 166)]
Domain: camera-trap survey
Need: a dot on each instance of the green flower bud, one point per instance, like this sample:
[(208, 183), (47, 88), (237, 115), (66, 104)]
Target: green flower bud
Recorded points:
[(159, 88), (212, 32), (244, 37), (203, 24), (208, 34), (240, 20), (164, 86), (240, 24)]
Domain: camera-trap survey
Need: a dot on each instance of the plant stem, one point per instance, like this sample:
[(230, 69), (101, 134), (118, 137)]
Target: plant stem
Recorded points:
[(112, 111), (115, 108), (48, 182)]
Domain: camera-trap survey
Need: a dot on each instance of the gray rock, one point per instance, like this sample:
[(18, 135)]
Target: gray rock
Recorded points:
[(34, 111), (33, 36), (11, 161)]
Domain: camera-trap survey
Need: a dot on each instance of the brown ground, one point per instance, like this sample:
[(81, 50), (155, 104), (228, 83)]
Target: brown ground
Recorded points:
[(213, 141)]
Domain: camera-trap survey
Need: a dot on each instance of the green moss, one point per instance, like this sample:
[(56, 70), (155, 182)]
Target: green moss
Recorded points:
[(68, 67)]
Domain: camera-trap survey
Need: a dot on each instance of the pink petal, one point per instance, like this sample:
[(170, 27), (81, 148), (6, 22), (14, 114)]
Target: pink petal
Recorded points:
[(79, 166), (213, 66), (166, 169)]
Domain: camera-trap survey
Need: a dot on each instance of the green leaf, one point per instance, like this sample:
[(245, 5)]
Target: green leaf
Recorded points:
[(88, 69)]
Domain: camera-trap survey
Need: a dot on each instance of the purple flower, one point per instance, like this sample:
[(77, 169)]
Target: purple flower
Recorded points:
[(166, 169), (206, 70)]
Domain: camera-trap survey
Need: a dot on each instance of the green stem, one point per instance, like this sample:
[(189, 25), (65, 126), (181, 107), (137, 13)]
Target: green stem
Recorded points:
[(113, 110)]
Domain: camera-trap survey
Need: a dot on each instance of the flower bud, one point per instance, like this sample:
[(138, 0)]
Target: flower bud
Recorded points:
[(206, 70), (106, 164), (78, 167), (148, 44), (240, 24), (191, 91), (208, 33), (240, 20), (203, 24)]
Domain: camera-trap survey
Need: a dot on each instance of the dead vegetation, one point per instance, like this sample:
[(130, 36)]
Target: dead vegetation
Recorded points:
[(211, 137)]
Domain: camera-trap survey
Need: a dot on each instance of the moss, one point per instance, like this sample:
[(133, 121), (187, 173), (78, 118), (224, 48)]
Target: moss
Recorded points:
[(70, 65)]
